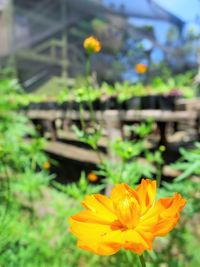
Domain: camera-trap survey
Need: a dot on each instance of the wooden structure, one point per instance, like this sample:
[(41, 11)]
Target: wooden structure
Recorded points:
[(112, 121), (191, 105), (63, 142), (188, 104)]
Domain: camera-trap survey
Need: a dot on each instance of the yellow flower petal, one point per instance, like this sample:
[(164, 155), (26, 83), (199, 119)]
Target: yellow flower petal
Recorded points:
[(99, 249), (136, 242), (164, 226), (147, 193), (107, 244), (100, 205), (122, 190), (88, 231), (91, 217)]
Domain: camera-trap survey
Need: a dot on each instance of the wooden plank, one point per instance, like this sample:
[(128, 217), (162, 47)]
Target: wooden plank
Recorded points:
[(158, 115), (168, 171), (72, 152), (130, 115), (75, 115), (31, 55), (137, 115), (45, 114)]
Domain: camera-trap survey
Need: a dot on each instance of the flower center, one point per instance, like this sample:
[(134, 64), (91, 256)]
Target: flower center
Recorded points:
[(127, 211)]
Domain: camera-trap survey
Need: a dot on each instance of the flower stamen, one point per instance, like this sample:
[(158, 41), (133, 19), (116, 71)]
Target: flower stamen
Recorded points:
[(127, 211)]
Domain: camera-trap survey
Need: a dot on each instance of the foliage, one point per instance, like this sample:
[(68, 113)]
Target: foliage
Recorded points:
[(189, 162), (81, 94), (89, 138), (34, 208), (128, 172), (27, 203), (180, 85), (143, 129), (33, 226), (79, 189)]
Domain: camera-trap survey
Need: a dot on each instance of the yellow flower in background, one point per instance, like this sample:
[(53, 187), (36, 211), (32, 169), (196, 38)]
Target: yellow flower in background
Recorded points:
[(129, 219), (92, 45), (92, 177), (46, 165), (141, 68)]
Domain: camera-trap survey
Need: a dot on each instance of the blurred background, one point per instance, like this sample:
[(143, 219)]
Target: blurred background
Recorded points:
[(76, 119), (43, 39)]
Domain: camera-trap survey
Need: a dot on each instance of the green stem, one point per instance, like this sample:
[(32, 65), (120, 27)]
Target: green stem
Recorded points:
[(122, 170), (82, 116), (88, 69), (98, 155), (159, 174), (88, 73), (30, 196), (6, 179), (142, 260), (91, 108)]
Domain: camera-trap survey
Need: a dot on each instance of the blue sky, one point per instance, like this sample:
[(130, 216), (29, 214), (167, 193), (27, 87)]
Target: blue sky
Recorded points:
[(185, 9)]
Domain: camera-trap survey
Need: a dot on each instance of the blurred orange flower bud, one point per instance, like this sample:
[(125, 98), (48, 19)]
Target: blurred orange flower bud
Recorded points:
[(92, 45), (141, 68), (46, 165), (92, 177)]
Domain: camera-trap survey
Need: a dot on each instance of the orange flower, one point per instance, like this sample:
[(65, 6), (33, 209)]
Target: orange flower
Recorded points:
[(129, 219), (141, 68), (92, 45), (92, 177), (46, 165)]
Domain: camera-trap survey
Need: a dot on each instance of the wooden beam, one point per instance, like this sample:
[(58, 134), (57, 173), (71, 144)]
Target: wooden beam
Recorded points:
[(31, 55), (158, 115), (48, 115), (72, 152), (126, 116)]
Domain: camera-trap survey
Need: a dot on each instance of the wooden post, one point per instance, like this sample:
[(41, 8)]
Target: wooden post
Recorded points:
[(197, 128), (162, 128), (11, 34), (53, 131), (53, 50), (64, 40), (51, 126), (114, 130)]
